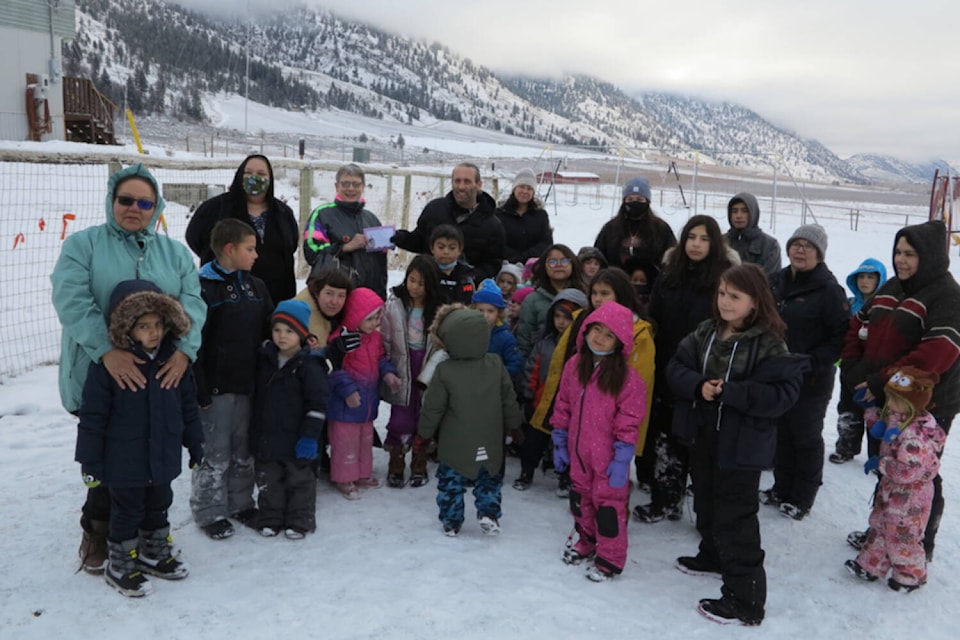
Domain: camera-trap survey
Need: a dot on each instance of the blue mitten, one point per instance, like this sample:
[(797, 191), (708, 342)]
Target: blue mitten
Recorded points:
[(618, 471), (859, 396), (561, 455), (871, 465), (306, 448), (891, 434), (878, 429)]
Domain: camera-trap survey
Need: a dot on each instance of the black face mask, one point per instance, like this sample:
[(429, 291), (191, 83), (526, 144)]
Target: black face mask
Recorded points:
[(636, 210), (642, 289)]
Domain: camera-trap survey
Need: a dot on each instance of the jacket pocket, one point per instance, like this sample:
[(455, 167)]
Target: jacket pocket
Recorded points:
[(756, 445)]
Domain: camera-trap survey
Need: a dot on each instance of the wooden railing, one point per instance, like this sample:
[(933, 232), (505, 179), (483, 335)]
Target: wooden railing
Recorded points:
[(89, 115)]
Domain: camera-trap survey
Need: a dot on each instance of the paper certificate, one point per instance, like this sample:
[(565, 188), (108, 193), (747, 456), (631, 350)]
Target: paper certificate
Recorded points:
[(378, 238)]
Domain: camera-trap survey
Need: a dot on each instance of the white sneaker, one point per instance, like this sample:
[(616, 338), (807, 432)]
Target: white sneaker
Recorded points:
[(267, 532), (596, 574), (489, 526), (294, 534)]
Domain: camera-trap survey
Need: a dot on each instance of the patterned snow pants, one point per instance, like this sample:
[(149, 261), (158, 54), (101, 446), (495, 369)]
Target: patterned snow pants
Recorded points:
[(450, 489)]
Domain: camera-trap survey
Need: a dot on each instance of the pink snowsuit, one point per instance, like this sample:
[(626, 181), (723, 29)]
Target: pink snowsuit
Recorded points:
[(595, 420), (902, 504)]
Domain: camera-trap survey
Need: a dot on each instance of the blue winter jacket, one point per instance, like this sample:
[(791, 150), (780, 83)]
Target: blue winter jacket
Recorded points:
[(504, 344), (870, 265), (92, 262)]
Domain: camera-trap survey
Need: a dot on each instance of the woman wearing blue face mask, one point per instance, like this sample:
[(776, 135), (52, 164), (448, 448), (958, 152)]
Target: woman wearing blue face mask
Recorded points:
[(251, 199)]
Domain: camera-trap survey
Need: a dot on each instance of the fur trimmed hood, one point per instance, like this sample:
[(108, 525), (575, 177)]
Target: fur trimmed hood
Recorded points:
[(438, 319), (132, 299)]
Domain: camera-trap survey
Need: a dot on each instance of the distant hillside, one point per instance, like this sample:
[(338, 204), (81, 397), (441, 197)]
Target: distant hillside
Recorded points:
[(161, 58)]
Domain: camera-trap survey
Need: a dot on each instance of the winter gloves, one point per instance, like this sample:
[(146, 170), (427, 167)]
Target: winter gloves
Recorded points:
[(306, 448), (91, 475), (561, 454), (860, 397), (872, 464), (196, 456), (340, 346), (618, 471)]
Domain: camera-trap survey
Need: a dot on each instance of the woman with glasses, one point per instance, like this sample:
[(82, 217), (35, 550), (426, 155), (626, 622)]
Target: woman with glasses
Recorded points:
[(333, 236), (92, 263), (558, 268), (251, 199), (815, 308)]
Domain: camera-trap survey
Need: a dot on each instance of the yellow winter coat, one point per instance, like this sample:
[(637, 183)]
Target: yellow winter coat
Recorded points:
[(641, 359)]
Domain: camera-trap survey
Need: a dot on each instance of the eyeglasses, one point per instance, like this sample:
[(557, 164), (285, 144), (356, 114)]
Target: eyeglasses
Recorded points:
[(351, 184), (554, 262), (801, 245), (128, 201)]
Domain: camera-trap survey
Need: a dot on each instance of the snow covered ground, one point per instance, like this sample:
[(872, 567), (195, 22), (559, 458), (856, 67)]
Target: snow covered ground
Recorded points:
[(381, 568)]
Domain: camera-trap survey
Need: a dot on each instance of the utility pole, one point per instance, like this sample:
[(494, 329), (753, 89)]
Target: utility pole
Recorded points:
[(246, 96)]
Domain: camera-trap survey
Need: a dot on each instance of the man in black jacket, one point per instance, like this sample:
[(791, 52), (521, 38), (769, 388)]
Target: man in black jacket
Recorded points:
[(471, 210)]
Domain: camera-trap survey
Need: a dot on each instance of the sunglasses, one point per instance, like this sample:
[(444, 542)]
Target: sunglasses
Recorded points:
[(128, 201), (554, 262)]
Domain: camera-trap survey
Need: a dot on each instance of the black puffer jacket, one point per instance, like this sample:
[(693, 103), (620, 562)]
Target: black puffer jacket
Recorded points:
[(238, 321), (762, 383), (528, 235), (275, 251), (482, 232), (817, 313), (290, 402)]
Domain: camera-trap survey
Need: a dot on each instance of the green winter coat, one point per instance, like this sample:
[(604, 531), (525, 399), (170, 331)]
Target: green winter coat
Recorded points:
[(93, 262), (470, 403)]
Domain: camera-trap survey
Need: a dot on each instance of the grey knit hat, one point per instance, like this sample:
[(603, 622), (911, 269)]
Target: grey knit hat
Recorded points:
[(525, 177), (513, 269), (812, 233), (637, 187)]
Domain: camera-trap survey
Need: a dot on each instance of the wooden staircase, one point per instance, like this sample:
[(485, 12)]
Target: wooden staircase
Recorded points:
[(88, 114)]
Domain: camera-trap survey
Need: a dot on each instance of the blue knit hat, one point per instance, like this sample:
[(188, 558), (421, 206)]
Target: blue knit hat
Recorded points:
[(295, 314), (489, 293), (637, 187)]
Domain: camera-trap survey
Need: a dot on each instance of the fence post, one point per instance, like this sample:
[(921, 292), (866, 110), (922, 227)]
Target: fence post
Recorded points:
[(496, 189), (113, 166), (405, 210), (386, 204), (306, 191)]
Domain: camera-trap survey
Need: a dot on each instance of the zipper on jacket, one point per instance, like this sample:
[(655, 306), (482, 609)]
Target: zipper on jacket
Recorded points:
[(583, 467)]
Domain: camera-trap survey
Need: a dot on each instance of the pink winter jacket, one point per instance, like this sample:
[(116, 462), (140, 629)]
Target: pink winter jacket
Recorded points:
[(912, 457), (595, 419)]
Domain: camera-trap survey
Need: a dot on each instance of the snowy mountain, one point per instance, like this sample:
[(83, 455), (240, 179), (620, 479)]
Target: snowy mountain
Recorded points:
[(307, 59), (883, 168)]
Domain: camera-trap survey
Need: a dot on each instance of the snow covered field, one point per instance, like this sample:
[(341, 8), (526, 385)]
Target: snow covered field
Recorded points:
[(381, 568)]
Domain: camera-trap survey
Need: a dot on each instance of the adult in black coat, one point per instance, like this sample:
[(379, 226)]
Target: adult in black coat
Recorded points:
[(250, 198), (815, 308), (635, 231), (524, 220), (471, 210), (683, 297)]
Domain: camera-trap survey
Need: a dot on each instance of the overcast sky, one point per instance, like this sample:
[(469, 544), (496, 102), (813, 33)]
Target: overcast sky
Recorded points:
[(859, 76)]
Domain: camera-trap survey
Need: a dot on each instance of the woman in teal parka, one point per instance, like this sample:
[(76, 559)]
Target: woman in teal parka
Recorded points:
[(91, 264)]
